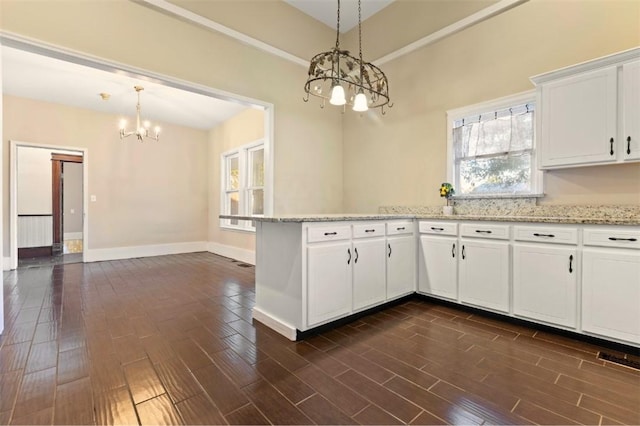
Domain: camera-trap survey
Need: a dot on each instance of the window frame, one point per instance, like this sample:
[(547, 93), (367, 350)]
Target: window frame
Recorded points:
[(537, 175), (242, 153)]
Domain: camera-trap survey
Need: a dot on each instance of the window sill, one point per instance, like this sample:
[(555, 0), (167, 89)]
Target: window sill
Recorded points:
[(238, 228), (495, 196)]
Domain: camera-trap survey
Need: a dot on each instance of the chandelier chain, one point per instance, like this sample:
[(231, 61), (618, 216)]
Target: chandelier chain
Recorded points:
[(338, 28), (360, 32)]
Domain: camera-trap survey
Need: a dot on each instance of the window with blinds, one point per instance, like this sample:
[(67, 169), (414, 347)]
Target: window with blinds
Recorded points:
[(494, 150)]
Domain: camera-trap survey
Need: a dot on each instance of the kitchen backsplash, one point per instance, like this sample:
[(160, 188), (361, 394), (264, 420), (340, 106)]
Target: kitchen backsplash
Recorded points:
[(520, 207)]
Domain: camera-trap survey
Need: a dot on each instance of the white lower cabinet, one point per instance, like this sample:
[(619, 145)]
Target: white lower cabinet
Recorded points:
[(611, 293), (545, 283), (484, 273), (438, 273), (401, 265), (369, 261), (328, 281)]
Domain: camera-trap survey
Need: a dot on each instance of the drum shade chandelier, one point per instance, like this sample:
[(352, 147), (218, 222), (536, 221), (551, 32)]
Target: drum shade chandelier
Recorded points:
[(141, 131), (333, 72)]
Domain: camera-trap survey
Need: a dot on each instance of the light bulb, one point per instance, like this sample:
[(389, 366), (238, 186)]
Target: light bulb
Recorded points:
[(337, 95), (360, 103), (146, 124), (157, 130), (123, 124), (142, 131)]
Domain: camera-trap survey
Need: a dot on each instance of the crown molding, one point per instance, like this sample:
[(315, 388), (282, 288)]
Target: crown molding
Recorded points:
[(186, 15), (481, 15)]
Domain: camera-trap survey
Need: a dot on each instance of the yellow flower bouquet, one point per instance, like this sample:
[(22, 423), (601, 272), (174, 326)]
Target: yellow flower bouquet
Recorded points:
[(446, 191)]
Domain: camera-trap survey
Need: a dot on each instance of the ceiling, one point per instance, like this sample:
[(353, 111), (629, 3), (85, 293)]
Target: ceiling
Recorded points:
[(33, 76), (325, 11)]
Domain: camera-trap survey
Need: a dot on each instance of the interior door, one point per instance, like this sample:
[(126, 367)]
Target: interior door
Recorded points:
[(57, 186)]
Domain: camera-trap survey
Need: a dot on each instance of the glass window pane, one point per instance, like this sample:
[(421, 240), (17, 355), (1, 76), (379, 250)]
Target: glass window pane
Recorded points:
[(233, 165), (233, 205), (500, 175), (257, 201), (256, 162)]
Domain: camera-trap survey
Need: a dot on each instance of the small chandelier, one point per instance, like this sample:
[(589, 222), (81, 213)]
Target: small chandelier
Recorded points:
[(141, 131), (330, 73)]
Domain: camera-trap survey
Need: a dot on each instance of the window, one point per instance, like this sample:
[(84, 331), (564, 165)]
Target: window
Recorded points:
[(242, 184), (492, 148)]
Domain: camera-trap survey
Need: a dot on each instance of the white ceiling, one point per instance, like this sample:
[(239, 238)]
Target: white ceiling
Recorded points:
[(325, 11), (39, 77)]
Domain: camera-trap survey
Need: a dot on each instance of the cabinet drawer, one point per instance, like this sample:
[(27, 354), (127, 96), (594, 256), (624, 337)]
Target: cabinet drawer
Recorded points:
[(542, 234), (328, 233), (400, 227), (439, 228), (612, 237), (480, 230), (368, 230)]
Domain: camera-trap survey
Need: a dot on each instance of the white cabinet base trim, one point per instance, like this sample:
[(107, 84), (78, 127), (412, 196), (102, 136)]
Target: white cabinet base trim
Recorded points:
[(275, 324)]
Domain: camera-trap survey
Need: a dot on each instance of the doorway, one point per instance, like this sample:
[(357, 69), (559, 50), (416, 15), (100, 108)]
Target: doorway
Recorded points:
[(48, 205)]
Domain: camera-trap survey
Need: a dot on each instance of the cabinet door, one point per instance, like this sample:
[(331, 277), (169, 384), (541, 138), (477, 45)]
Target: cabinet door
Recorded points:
[(631, 111), (484, 274), (438, 272), (611, 293), (545, 283), (369, 285), (578, 119), (328, 281), (401, 254)]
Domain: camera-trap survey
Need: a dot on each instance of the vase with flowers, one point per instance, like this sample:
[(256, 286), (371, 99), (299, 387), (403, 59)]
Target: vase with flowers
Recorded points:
[(446, 191)]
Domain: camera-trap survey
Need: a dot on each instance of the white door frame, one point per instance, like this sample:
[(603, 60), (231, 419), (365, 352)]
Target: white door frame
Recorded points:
[(13, 193)]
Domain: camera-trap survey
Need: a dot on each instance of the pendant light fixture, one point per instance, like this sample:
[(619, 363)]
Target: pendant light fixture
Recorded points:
[(345, 80), (141, 131)]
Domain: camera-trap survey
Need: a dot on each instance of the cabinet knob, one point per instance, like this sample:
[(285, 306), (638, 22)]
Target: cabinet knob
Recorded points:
[(433, 228), (330, 233), (356, 259), (611, 142), (628, 145), (463, 254), (622, 239), (453, 250), (389, 245), (480, 231), (543, 235), (349, 259)]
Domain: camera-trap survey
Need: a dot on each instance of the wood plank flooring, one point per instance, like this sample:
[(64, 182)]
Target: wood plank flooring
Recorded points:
[(169, 340)]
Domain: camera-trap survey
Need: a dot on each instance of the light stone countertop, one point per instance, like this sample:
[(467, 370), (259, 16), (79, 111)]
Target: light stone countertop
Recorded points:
[(592, 220)]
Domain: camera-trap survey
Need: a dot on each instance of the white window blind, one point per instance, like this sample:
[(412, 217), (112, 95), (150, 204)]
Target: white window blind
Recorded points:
[(494, 151)]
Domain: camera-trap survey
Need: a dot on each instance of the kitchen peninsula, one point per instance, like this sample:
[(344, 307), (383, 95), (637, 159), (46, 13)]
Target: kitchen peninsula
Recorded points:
[(573, 271)]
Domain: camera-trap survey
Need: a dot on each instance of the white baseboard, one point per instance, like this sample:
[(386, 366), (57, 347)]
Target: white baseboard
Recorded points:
[(72, 236), (98, 255), (275, 324), (243, 255), (6, 263)]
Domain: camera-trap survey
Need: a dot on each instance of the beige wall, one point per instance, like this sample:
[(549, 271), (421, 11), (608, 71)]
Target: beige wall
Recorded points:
[(400, 159), (308, 140), (243, 128), (146, 193)]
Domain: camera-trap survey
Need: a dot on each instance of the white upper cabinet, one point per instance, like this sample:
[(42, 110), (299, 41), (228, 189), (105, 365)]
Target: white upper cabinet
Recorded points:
[(589, 113), (631, 111)]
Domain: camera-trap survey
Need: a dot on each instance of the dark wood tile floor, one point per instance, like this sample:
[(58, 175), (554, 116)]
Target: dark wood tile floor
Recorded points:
[(169, 340)]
